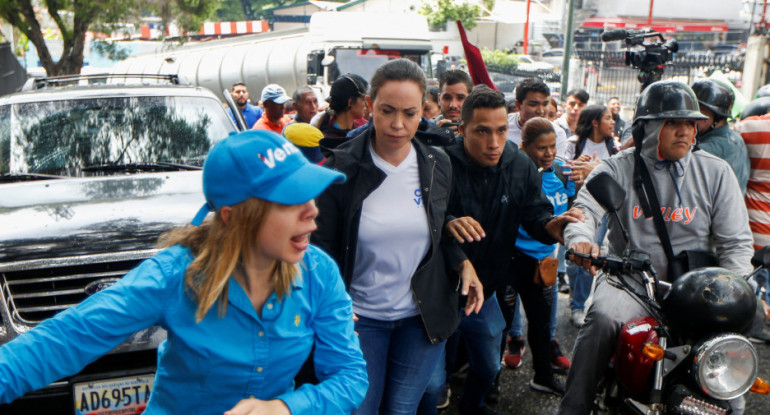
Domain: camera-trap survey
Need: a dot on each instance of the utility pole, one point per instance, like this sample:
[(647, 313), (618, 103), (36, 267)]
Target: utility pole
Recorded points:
[(526, 30), (568, 32)]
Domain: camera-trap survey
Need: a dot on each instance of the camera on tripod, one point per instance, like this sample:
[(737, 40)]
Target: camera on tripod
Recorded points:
[(651, 59)]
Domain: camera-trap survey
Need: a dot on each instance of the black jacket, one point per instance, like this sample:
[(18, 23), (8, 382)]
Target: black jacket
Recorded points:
[(500, 198), (434, 285)]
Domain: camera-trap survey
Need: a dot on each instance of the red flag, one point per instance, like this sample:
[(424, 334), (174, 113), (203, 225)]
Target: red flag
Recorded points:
[(476, 66)]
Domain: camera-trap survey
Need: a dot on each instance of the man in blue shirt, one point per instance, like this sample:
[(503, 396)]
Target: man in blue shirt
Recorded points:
[(251, 113)]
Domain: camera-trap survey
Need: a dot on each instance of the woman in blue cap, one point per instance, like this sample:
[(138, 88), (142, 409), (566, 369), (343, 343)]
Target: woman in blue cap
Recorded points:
[(242, 295), (384, 227)]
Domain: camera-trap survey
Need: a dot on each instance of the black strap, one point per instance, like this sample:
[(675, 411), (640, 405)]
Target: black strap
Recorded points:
[(649, 201)]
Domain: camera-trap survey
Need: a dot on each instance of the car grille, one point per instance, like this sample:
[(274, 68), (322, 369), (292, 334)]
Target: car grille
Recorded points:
[(36, 290)]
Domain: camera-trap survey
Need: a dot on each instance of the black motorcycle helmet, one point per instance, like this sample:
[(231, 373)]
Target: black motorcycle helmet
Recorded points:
[(708, 301), (664, 100), (715, 96), (759, 106), (763, 91)]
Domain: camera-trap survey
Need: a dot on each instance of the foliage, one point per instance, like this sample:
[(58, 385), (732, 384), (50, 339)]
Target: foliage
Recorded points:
[(499, 58), (250, 9), (111, 50), (439, 12), (230, 10), (72, 17), (188, 14)]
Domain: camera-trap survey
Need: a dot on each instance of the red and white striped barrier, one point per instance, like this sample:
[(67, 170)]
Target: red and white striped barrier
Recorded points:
[(234, 28)]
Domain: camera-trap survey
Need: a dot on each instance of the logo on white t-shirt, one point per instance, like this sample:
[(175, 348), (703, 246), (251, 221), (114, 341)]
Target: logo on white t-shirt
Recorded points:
[(417, 197)]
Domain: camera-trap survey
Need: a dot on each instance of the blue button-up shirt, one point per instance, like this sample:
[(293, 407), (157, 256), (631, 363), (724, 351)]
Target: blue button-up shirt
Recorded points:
[(251, 113), (206, 367)]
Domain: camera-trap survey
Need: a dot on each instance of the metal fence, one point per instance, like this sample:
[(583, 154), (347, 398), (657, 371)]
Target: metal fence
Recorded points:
[(605, 74)]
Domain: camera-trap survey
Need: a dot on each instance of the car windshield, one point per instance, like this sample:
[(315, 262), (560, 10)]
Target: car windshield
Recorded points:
[(65, 137)]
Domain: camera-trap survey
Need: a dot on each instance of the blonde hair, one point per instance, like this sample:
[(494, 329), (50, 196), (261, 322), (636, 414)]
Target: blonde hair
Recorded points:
[(219, 248)]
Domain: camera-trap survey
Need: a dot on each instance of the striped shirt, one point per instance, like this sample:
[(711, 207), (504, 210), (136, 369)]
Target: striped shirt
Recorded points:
[(756, 134)]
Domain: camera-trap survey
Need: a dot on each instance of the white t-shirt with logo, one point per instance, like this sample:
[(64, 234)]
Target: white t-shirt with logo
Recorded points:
[(393, 238)]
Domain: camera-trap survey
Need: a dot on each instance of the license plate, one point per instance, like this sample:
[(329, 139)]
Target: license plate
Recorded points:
[(117, 396)]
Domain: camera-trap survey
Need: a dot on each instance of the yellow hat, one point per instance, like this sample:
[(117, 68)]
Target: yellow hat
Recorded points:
[(302, 134)]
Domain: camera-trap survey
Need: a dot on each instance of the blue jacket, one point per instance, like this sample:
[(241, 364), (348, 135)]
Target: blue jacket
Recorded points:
[(206, 367), (560, 195)]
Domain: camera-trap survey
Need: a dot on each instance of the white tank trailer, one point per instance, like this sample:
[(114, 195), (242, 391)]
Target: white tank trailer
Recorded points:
[(333, 44)]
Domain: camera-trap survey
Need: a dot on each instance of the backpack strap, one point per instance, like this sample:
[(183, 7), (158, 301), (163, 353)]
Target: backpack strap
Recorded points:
[(649, 201)]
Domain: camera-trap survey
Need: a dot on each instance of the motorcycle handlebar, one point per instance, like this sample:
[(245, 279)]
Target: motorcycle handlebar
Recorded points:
[(631, 261)]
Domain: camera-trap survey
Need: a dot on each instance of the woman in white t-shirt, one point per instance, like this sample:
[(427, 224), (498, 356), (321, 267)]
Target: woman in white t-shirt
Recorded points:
[(593, 135), (384, 228)]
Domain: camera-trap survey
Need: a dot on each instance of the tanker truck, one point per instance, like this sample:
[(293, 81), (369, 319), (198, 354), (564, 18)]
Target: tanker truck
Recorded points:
[(333, 44)]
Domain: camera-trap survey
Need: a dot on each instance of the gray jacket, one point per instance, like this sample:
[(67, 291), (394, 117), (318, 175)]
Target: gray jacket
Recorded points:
[(707, 212)]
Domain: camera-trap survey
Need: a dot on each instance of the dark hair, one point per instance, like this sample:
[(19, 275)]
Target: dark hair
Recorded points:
[(510, 105), (580, 94), (432, 94), (455, 76), (239, 83), (398, 70), (481, 96), (585, 127), (530, 85), (611, 98), (553, 102), (305, 89), (534, 128), (346, 87)]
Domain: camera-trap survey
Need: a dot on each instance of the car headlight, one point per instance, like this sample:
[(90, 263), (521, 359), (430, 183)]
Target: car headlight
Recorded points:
[(726, 366)]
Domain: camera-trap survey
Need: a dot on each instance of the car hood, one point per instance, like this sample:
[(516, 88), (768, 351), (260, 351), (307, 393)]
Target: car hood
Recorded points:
[(78, 216)]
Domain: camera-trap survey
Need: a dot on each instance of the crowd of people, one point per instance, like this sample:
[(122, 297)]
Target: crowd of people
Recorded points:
[(395, 231)]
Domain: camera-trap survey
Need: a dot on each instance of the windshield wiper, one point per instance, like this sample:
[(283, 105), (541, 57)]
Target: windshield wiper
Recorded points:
[(142, 167), (26, 177)]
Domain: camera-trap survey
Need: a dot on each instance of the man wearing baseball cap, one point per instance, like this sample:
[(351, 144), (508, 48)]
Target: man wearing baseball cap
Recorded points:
[(274, 101)]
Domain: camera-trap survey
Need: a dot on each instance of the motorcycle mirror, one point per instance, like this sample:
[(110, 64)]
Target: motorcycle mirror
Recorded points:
[(606, 191), (761, 258)]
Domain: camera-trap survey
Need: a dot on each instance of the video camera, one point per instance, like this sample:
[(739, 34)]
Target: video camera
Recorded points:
[(652, 59)]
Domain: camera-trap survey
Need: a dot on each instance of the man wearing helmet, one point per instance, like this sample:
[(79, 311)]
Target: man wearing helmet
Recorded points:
[(714, 135), (702, 208)]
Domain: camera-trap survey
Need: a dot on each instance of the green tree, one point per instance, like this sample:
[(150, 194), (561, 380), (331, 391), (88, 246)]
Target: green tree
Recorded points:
[(188, 14), (74, 18), (439, 12)]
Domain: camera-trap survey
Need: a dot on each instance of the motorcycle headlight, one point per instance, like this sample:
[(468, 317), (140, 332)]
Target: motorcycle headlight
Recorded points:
[(726, 366)]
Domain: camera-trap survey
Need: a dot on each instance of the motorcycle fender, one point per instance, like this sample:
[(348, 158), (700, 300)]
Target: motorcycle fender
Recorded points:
[(632, 367)]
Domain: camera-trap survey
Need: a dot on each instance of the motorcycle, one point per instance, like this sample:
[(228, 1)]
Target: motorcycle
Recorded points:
[(688, 356)]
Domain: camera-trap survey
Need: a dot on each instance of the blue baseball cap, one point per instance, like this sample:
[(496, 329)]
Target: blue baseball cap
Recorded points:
[(275, 93), (261, 164)]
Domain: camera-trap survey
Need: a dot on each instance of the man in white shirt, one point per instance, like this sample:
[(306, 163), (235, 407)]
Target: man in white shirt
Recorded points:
[(532, 99), (577, 99)]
